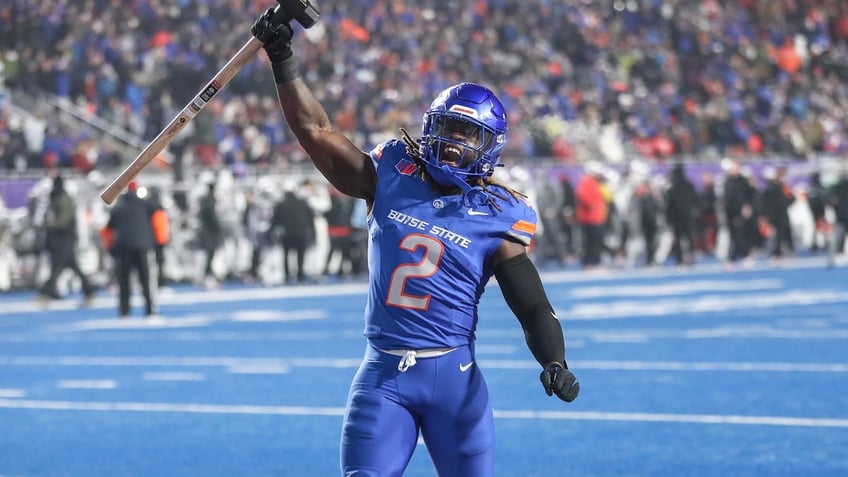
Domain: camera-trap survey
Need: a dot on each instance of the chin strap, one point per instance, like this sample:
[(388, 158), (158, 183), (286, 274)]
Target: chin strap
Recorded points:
[(472, 196)]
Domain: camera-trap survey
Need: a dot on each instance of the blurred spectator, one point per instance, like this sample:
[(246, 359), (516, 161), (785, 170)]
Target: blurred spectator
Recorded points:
[(801, 223), (13, 149), (776, 199), (591, 215), (60, 223), (340, 232), (293, 222), (567, 220), (161, 233), (647, 208), (707, 225), (209, 234), (817, 201), (738, 202), (256, 221), (681, 207), (622, 215), (549, 248), (839, 199), (132, 239)]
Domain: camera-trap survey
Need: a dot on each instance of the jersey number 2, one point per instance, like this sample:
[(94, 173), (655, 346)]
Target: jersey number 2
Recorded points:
[(427, 267)]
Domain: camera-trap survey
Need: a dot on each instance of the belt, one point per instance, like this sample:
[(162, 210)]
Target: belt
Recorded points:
[(408, 356)]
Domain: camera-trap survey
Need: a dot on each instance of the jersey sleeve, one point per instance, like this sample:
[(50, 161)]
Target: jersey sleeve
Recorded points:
[(522, 223), (385, 150)]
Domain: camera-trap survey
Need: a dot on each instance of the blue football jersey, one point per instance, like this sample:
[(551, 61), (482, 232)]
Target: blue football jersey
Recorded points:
[(428, 256)]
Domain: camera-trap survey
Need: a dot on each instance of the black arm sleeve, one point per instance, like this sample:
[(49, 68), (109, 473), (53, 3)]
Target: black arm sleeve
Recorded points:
[(523, 291)]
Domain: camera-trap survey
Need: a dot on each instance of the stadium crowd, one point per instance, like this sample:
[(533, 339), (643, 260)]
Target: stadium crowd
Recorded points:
[(601, 79)]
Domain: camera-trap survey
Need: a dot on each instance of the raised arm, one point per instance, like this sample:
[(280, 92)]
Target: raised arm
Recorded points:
[(346, 167)]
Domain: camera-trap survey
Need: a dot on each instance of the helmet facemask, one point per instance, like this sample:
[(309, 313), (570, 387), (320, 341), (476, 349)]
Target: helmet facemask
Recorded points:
[(463, 145)]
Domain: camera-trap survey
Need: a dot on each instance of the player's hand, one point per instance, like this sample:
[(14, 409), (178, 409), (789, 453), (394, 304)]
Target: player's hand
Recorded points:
[(276, 36), (557, 379)]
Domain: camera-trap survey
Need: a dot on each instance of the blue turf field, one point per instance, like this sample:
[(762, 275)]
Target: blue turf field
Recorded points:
[(683, 373)]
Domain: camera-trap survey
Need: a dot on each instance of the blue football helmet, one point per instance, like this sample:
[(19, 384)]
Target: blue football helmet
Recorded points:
[(464, 134)]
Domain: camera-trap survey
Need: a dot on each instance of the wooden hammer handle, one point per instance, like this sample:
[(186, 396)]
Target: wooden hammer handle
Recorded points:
[(233, 66)]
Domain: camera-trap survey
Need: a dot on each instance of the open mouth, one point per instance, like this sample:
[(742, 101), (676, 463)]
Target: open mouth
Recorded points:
[(451, 154)]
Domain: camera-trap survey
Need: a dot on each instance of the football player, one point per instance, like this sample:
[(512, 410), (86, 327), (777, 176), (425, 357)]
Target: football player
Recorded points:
[(439, 228)]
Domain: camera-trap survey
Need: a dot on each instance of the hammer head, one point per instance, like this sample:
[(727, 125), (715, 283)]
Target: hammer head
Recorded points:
[(300, 11)]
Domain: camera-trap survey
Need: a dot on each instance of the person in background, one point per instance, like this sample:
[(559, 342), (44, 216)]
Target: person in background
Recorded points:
[(681, 206), (161, 234), (738, 201), (567, 221), (256, 222), (293, 221), (439, 228), (817, 196), (645, 209), (775, 201), (60, 224), (707, 222), (340, 231), (130, 237), (210, 234), (549, 248), (591, 214), (838, 198)]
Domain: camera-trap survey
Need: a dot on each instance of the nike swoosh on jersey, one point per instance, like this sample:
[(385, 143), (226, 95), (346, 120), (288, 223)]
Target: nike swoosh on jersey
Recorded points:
[(465, 367), (475, 212)]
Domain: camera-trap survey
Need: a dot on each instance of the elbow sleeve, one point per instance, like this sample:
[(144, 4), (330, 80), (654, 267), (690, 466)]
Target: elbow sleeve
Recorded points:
[(525, 295)]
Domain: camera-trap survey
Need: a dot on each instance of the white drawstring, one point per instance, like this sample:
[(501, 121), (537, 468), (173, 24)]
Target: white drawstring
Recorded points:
[(408, 357), (407, 360)]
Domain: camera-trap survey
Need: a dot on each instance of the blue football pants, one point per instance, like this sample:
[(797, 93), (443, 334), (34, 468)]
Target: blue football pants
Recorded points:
[(444, 398)]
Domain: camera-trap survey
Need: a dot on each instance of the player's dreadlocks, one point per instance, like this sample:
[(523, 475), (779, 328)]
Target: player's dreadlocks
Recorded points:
[(414, 151)]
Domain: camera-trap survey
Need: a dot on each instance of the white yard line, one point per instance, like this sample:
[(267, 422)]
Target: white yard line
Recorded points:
[(12, 393), (173, 376), (675, 287), (87, 384), (785, 421), (282, 364)]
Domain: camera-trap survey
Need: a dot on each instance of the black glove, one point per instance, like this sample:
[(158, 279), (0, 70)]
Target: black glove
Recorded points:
[(276, 38), (557, 379)]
